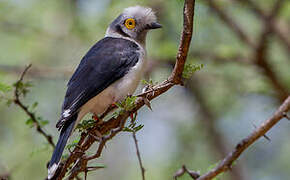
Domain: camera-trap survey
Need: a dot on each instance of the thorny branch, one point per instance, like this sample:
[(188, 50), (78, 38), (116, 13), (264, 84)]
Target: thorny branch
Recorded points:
[(184, 170), (261, 54), (25, 108), (209, 125), (227, 162), (260, 57), (279, 27), (115, 125), (227, 19)]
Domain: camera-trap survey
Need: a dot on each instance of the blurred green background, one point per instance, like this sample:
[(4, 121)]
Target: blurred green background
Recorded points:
[(194, 125)]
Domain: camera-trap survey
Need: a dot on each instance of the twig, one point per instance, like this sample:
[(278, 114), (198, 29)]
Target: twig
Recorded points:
[(5, 176), (209, 121), (139, 155), (32, 116), (231, 23), (260, 58), (86, 141), (104, 139), (183, 170), (280, 31), (228, 161), (286, 116), (81, 165)]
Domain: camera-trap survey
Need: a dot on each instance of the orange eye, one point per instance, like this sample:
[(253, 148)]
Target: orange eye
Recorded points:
[(130, 23)]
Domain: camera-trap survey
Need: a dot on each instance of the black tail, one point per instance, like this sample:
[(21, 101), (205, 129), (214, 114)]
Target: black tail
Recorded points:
[(63, 137)]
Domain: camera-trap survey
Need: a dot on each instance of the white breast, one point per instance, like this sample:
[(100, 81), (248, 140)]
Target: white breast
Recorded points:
[(128, 84), (117, 91)]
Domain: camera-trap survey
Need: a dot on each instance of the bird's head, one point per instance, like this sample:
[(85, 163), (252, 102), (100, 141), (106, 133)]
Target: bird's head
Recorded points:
[(134, 23)]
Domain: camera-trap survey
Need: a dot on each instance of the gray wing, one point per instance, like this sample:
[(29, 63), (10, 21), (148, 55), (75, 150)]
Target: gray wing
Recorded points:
[(106, 62)]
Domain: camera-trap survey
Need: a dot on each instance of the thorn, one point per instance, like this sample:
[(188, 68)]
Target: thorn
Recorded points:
[(181, 83), (92, 168), (95, 137), (230, 167), (286, 116), (265, 136), (99, 134), (147, 103)]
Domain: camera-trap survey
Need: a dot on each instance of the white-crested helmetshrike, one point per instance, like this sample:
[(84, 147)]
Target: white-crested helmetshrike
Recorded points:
[(110, 71)]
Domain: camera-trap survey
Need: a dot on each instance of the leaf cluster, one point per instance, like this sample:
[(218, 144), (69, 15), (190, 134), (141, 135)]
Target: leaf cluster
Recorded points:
[(42, 122), (128, 104), (190, 69), (22, 87), (149, 82), (85, 124), (133, 127)]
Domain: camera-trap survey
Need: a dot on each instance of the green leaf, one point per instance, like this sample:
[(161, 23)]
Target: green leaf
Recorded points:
[(34, 105), (130, 103), (190, 69), (149, 82), (4, 87), (9, 102), (23, 88), (127, 129), (138, 128), (41, 121), (85, 124), (29, 122), (64, 156), (73, 144), (44, 122)]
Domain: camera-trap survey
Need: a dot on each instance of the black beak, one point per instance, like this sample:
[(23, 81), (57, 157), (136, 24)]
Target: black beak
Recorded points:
[(154, 25)]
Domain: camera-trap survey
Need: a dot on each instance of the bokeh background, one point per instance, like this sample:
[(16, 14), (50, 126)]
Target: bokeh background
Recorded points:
[(243, 45)]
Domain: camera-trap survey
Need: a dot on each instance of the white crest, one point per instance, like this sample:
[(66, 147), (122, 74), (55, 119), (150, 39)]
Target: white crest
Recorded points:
[(147, 15)]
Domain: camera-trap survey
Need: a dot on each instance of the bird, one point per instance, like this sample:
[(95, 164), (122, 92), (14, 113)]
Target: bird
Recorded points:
[(109, 71)]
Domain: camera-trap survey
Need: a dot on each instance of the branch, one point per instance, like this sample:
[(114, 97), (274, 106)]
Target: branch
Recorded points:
[(280, 28), (188, 13), (138, 155), (231, 23), (25, 108), (115, 125), (5, 176), (228, 161), (209, 120), (260, 49), (261, 54), (39, 72), (183, 170)]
